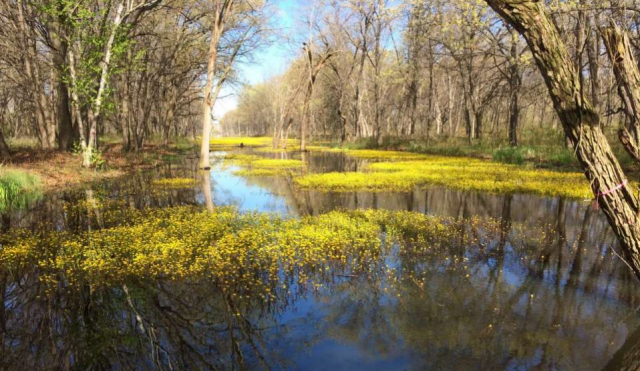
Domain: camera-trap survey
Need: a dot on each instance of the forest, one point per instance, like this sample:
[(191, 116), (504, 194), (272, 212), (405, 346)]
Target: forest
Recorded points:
[(359, 71)]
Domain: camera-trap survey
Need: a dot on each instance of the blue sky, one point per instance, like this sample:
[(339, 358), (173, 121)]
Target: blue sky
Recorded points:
[(271, 61)]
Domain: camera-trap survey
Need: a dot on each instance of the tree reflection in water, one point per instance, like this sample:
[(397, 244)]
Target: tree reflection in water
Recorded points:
[(541, 290)]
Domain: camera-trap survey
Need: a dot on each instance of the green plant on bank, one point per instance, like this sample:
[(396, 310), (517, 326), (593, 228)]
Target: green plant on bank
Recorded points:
[(512, 155), (540, 147), (18, 189), (97, 161)]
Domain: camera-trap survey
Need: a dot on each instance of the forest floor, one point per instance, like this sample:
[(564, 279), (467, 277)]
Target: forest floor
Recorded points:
[(58, 169)]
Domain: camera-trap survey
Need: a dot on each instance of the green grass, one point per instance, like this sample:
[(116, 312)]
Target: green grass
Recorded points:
[(18, 189)]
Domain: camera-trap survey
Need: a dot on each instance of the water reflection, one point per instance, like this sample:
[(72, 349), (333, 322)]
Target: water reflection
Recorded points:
[(542, 291)]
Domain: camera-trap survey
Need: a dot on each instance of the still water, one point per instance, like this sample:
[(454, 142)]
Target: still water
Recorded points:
[(566, 303)]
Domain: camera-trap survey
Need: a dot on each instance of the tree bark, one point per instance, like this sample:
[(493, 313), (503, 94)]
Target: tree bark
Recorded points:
[(66, 136), (514, 91), (222, 10), (579, 120), (75, 106), (4, 148), (625, 69), (593, 47), (46, 133)]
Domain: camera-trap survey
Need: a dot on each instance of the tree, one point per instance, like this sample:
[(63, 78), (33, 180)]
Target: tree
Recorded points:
[(580, 121), (85, 81), (243, 19)]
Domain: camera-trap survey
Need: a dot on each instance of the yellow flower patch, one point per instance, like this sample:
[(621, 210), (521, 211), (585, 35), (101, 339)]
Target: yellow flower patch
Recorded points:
[(260, 166), (372, 154), (385, 155), (460, 173), (246, 141), (276, 150), (259, 172), (247, 251), (277, 164), (174, 183)]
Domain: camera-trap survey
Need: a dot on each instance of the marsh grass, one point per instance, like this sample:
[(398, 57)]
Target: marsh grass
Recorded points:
[(18, 189)]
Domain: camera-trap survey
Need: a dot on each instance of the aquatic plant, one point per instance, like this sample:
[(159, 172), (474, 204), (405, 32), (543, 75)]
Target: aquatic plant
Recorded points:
[(372, 154), (244, 252), (246, 141), (174, 183), (18, 188), (272, 163), (260, 166), (385, 155), (277, 150), (460, 173), (259, 172)]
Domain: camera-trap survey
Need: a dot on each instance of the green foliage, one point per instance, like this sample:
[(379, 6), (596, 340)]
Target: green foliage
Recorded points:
[(97, 161), (511, 155), (18, 189), (79, 20)]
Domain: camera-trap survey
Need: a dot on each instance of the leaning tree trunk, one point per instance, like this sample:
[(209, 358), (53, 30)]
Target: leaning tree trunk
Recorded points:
[(579, 120), (627, 75)]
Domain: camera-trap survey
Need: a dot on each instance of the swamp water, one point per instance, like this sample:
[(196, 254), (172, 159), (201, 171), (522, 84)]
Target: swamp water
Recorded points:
[(511, 282)]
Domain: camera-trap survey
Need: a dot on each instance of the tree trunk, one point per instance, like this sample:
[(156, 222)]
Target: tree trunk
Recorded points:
[(46, 134), (513, 119), (579, 120), (222, 8), (627, 76), (208, 103), (66, 136), (75, 106), (305, 114), (4, 148), (514, 92), (593, 47)]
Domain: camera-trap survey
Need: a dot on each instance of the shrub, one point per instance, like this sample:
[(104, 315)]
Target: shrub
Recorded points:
[(510, 155)]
